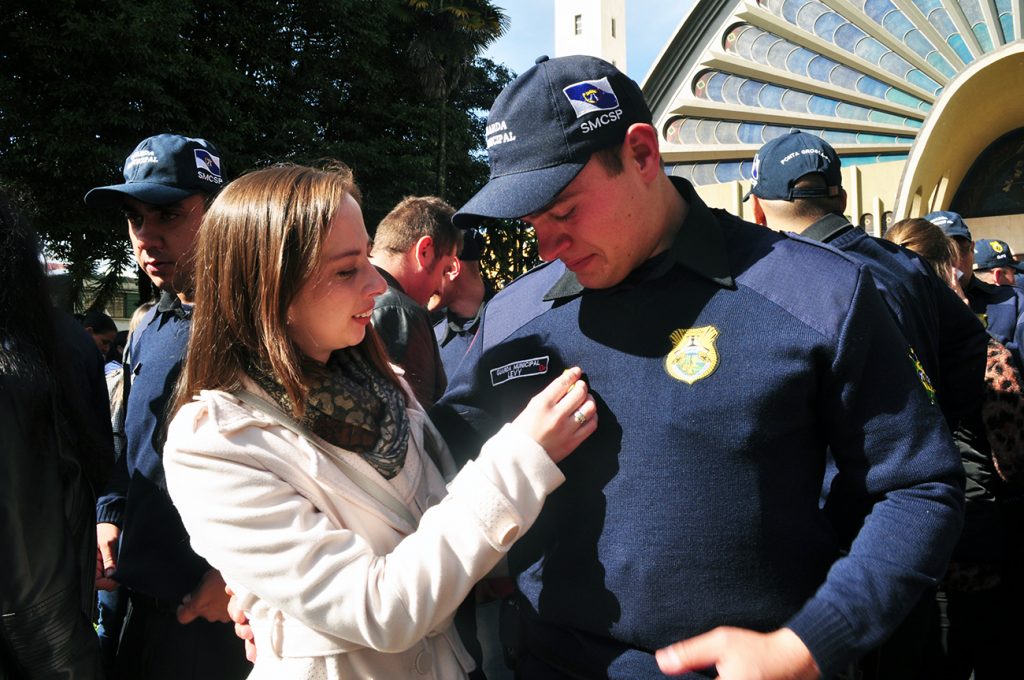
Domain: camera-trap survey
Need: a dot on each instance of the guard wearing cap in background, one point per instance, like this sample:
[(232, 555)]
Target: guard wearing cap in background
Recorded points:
[(1000, 307), (177, 625), (725, 360), (462, 300), (797, 186), (994, 263)]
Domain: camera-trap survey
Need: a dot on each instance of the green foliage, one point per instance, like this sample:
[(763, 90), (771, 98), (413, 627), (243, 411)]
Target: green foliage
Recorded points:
[(266, 80), (511, 251)]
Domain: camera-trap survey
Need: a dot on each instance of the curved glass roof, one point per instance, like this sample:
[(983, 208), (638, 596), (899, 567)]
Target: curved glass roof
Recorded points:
[(862, 74)]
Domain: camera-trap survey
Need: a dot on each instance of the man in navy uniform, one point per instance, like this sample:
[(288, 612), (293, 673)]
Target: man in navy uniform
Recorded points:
[(177, 624), (1000, 308), (798, 187), (994, 263), (725, 359)]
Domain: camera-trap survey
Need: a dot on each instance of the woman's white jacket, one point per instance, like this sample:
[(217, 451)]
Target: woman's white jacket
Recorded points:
[(336, 583)]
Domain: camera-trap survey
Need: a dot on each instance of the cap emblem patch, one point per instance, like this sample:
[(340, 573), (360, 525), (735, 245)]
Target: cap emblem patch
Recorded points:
[(207, 162), (996, 246), (693, 356), (591, 95)]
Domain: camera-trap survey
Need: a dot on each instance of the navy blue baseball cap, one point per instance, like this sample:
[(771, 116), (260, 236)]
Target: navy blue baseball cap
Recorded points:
[(165, 169), (543, 128), (950, 223), (784, 160), (992, 253)]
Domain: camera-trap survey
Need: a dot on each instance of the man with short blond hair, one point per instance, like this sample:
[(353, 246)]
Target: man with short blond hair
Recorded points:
[(414, 249)]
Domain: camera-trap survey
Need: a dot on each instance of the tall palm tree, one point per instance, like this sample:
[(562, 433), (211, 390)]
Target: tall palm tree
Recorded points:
[(449, 36)]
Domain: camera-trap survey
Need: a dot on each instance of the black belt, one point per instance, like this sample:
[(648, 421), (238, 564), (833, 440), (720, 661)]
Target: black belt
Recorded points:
[(154, 604)]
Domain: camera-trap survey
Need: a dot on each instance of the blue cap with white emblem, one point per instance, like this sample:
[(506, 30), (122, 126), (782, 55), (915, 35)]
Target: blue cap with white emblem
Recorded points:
[(784, 160), (950, 223), (543, 128), (164, 169)]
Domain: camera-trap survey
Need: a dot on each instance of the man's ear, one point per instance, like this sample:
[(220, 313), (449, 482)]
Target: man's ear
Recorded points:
[(424, 251), (640, 148), (1002, 276), (454, 269), (842, 200)]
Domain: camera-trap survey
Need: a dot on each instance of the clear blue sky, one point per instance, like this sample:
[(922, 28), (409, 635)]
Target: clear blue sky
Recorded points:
[(649, 25)]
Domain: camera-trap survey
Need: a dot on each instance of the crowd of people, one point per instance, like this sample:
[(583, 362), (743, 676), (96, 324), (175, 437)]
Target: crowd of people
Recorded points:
[(685, 444)]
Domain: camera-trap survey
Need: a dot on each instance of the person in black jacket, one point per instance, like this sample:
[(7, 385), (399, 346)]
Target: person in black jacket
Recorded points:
[(414, 249), (57, 449)]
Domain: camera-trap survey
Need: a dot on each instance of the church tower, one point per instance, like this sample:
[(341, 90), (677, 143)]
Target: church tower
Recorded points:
[(594, 27)]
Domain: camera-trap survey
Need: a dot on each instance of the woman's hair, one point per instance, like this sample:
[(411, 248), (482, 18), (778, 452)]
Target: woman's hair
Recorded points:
[(928, 241), (259, 242), (26, 322), (98, 322), (139, 314)]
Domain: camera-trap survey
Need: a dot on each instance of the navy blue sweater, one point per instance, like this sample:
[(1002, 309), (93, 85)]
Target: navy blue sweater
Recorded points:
[(695, 504), (1002, 310), (155, 557), (948, 338)]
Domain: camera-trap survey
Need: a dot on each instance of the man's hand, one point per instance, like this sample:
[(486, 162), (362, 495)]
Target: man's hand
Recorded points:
[(740, 654), (242, 627), (208, 600), (106, 555)]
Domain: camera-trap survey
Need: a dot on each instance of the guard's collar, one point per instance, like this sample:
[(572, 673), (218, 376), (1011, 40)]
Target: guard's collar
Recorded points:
[(456, 325), (699, 246), (170, 303)]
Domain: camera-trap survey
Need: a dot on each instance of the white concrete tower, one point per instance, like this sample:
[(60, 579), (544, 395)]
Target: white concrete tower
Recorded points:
[(594, 27)]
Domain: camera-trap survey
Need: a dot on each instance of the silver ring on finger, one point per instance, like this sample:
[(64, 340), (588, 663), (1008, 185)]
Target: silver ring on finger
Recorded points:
[(579, 417)]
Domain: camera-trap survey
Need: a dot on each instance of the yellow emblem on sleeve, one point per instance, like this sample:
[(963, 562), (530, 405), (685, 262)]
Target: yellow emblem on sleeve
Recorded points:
[(922, 375), (693, 356)]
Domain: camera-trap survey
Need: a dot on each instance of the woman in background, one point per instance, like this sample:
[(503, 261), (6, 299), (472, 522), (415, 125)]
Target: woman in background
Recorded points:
[(980, 598), (306, 472), (56, 449), (101, 328)]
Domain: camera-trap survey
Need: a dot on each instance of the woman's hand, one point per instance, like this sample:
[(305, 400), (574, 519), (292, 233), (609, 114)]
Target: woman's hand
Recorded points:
[(561, 416)]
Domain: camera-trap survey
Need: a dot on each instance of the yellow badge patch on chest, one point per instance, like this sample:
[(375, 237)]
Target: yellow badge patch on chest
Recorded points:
[(693, 356)]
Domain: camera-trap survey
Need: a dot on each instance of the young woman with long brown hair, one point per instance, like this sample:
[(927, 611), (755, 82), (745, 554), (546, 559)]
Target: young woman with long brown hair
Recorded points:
[(305, 471)]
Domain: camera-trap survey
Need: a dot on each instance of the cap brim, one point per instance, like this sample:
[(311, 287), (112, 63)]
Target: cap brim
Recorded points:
[(517, 194), (147, 192)]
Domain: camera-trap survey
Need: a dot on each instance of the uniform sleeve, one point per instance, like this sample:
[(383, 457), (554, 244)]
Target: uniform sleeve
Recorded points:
[(1016, 345), (272, 540), (898, 493), (110, 505)]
